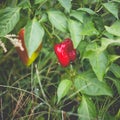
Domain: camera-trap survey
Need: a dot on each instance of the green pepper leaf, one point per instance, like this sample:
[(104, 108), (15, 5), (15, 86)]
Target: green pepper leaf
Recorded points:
[(63, 89), (58, 20), (87, 83), (66, 4), (8, 19), (115, 69), (112, 7), (87, 110), (79, 15), (114, 28), (75, 31), (33, 36)]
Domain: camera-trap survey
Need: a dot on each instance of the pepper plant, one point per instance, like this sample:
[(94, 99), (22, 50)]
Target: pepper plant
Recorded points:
[(64, 60)]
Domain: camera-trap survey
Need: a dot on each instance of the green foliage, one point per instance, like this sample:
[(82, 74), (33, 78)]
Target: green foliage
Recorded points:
[(114, 29), (58, 20), (86, 110), (63, 89), (112, 8), (87, 10), (75, 31), (115, 69), (38, 1), (99, 65), (8, 19), (66, 4), (89, 88), (79, 15), (33, 36), (24, 4), (88, 84)]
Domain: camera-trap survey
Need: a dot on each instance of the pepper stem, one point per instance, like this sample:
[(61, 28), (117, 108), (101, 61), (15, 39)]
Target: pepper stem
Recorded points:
[(60, 40)]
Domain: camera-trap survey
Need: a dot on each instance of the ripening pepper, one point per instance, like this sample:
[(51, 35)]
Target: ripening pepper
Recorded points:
[(23, 54), (65, 52)]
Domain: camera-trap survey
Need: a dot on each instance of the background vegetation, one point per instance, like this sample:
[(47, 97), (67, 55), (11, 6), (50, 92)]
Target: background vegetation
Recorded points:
[(89, 88)]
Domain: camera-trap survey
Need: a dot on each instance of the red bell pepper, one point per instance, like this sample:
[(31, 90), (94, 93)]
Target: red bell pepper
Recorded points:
[(65, 52)]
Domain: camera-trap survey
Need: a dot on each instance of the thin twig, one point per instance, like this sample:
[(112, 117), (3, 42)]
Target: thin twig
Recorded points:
[(15, 88), (1, 109), (40, 84)]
